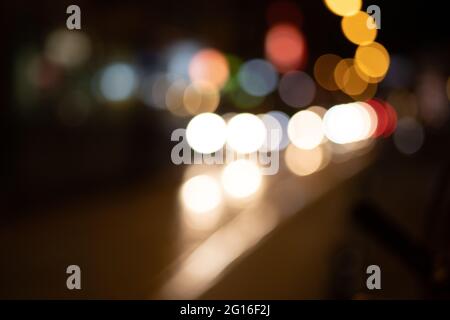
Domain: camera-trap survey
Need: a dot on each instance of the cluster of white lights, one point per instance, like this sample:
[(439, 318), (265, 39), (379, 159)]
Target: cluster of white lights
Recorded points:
[(204, 194), (241, 179), (341, 124), (246, 133), (305, 130), (206, 133), (348, 123), (201, 194)]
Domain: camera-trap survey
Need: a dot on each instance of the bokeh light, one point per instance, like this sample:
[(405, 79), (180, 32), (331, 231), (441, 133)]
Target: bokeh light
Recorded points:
[(365, 77), (432, 99), (372, 59), (340, 72), (42, 74), (234, 64), (297, 89), (347, 123), (118, 81), (283, 120), (304, 162), (206, 133), (175, 97), (246, 133), (320, 111), (369, 92), (241, 179), (67, 48), (209, 65), (371, 118), (386, 116), (356, 30), (409, 136), (344, 7), (324, 71), (258, 77), (201, 97), (353, 83), (305, 130), (201, 194), (285, 47), (393, 118), (154, 87), (179, 55), (274, 133)]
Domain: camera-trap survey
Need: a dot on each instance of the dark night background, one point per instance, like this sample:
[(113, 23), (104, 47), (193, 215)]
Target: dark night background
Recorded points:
[(85, 193)]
